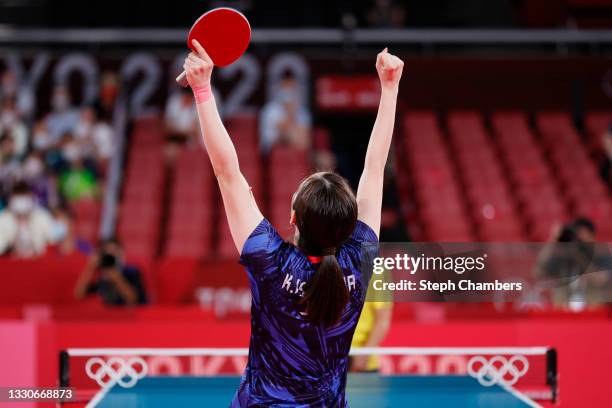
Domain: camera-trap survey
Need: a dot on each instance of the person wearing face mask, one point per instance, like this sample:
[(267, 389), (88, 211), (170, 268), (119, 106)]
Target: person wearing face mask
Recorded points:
[(25, 228), (180, 121), (72, 149), (41, 140), (63, 117), (94, 135), (64, 232), (59, 155), (10, 166), (33, 167), (43, 187), (23, 96), (8, 152), (84, 126), (285, 119), (12, 125)]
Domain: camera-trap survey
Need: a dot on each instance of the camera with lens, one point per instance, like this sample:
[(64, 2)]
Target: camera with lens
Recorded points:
[(107, 260), (567, 234)]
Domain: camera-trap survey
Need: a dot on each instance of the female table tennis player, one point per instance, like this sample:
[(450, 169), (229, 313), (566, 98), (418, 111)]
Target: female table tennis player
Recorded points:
[(307, 295)]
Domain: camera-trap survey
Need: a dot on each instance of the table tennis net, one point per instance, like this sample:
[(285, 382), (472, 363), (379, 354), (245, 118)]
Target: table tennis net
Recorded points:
[(530, 371)]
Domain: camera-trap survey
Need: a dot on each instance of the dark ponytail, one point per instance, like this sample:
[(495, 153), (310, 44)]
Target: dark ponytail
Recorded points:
[(326, 213), (326, 294)]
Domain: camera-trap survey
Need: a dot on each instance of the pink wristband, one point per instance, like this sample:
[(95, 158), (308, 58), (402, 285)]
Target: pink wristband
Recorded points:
[(202, 94)]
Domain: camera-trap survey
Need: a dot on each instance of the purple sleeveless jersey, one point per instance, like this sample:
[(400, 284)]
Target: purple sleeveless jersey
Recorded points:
[(293, 363)]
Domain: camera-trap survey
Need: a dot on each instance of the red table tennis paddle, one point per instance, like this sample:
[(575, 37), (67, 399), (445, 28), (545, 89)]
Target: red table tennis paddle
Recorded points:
[(224, 33)]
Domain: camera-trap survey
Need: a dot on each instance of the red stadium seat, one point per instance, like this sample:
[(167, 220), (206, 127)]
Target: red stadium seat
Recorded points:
[(287, 168), (597, 124)]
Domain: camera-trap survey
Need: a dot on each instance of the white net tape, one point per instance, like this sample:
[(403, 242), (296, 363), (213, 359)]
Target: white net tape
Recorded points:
[(124, 369)]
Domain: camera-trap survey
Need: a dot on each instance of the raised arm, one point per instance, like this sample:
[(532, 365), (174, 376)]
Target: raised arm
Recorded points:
[(243, 215), (370, 190)]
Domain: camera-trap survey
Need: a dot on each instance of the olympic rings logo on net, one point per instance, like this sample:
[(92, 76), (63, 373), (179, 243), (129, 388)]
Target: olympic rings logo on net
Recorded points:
[(497, 370), (116, 370)]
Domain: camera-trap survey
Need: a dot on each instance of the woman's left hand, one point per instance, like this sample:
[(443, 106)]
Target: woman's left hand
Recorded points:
[(389, 69)]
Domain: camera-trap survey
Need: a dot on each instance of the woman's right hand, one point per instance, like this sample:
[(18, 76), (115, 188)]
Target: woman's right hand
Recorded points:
[(198, 67)]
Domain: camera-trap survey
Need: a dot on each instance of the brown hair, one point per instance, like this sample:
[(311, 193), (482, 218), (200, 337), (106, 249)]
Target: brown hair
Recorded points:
[(326, 213)]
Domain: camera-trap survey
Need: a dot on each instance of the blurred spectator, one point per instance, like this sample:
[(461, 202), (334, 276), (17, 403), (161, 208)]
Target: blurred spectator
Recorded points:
[(576, 269), (323, 157), (181, 122), (12, 126), (68, 242), (598, 277), (110, 278), (285, 119), (584, 230), (78, 182), (386, 14), (63, 117), (10, 166), (94, 136), (109, 90), (43, 186), (60, 163), (9, 86), (25, 228), (9, 161), (58, 156), (606, 165), (23, 97), (41, 139)]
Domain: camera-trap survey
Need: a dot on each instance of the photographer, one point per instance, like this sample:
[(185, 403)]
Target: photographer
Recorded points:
[(107, 276), (572, 264)]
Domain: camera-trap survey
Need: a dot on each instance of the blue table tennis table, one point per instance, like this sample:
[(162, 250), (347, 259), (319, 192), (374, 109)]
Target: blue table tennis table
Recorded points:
[(363, 390)]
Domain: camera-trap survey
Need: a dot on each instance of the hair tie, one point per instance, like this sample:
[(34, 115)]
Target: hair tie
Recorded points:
[(331, 251)]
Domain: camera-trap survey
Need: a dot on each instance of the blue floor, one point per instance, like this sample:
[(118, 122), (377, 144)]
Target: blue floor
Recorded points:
[(364, 391)]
